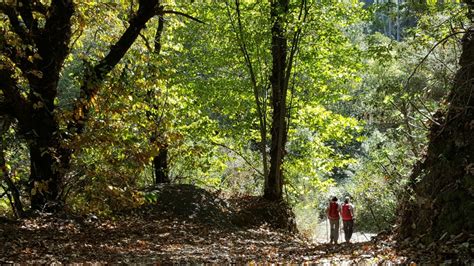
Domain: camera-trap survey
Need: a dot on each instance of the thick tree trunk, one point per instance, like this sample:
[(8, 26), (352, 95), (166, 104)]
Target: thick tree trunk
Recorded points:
[(42, 129), (44, 179), (443, 200), (273, 187), (40, 57), (47, 160)]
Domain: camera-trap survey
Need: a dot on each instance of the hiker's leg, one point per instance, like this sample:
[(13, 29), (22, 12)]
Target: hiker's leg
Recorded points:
[(350, 229), (331, 229), (336, 231), (346, 230)]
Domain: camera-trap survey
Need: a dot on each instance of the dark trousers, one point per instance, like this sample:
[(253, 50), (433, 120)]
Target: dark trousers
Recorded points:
[(348, 229)]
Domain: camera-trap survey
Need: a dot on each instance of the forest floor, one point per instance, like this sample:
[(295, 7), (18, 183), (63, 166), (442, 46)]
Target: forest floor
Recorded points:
[(156, 235)]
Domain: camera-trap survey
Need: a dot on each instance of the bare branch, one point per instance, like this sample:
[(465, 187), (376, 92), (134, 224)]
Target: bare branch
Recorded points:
[(182, 14), (147, 43), (241, 156), (428, 54)]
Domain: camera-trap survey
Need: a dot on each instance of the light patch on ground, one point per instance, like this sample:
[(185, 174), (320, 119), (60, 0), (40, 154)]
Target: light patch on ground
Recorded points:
[(321, 234)]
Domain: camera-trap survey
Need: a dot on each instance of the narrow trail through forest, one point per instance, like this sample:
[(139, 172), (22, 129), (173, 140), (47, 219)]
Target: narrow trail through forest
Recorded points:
[(184, 224), (321, 234), (187, 224), (50, 239)]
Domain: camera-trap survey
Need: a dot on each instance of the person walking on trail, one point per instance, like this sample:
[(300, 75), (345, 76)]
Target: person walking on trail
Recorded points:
[(332, 212), (347, 214)]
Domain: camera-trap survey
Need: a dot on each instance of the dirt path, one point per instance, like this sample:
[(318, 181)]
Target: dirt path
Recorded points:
[(47, 240), (322, 234), (130, 240)]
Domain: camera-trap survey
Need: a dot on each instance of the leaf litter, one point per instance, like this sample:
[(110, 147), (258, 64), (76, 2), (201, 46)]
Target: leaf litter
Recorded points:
[(159, 234)]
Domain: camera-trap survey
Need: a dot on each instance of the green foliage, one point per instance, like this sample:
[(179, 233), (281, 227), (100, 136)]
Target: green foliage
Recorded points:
[(17, 167), (196, 96), (360, 104), (307, 220), (378, 182), (397, 99)]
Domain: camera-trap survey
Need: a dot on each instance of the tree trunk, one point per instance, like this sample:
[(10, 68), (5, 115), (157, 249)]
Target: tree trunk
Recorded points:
[(44, 180), (42, 129), (40, 56), (160, 165), (273, 189), (259, 90), (160, 162), (47, 159), (443, 199)]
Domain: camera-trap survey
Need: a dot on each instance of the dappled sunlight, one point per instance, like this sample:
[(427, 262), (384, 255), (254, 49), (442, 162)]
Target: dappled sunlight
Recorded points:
[(231, 132)]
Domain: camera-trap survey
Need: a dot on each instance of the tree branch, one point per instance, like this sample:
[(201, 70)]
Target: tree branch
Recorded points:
[(294, 48), (295, 41), (53, 42), (95, 75), (159, 33), (118, 50), (240, 155), (12, 15), (259, 99), (147, 43), (445, 39), (26, 13), (39, 7), (15, 104), (182, 14), (16, 204)]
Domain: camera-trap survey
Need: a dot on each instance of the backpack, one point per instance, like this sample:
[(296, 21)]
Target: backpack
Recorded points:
[(333, 211), (346, 212)]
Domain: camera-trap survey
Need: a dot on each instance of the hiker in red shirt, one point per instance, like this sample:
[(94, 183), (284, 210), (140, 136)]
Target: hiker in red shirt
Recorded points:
[(332, 212), (347, 214)]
